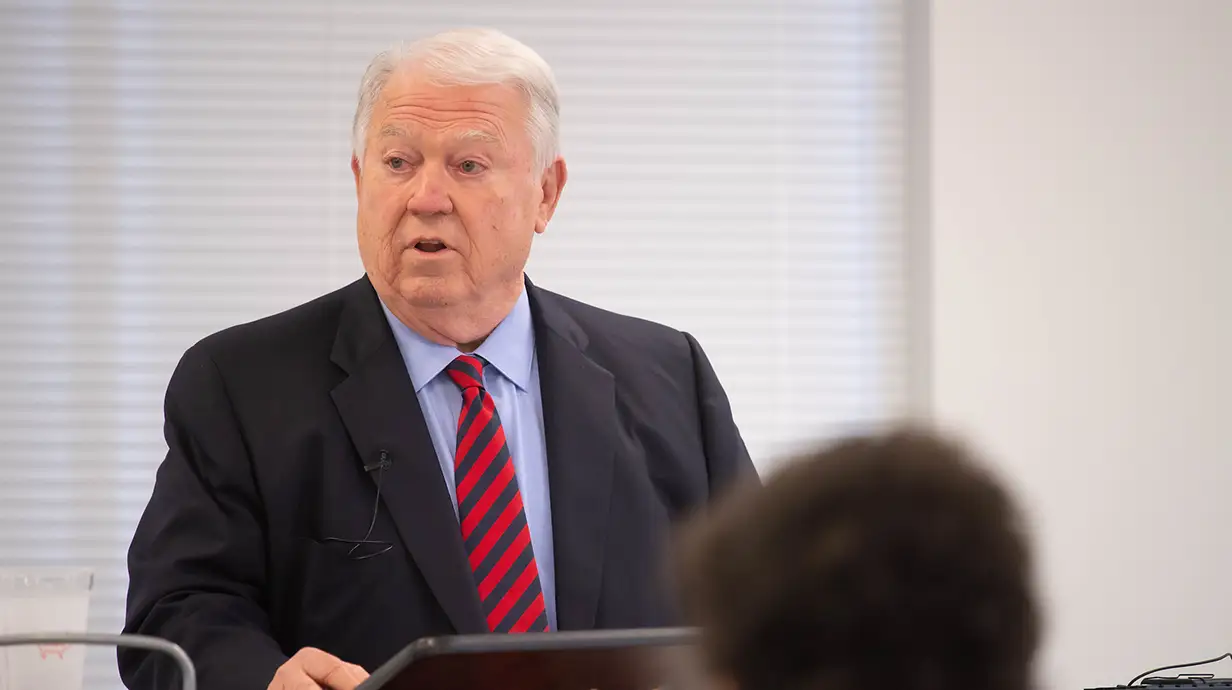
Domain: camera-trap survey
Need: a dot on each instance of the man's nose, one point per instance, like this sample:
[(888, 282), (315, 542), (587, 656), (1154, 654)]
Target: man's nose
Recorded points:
[(430, 192)]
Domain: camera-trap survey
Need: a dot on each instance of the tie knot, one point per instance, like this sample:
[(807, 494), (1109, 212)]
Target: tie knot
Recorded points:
[(466, 371)]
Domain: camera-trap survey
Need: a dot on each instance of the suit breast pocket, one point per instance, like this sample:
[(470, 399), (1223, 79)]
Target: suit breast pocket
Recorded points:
[(329, 563), (342, 591)]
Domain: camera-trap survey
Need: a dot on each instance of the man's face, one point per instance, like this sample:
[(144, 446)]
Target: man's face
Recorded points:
[(449, 193)]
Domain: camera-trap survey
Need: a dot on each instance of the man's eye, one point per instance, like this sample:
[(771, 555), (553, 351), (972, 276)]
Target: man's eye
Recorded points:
[(469, 167), (396, 163)]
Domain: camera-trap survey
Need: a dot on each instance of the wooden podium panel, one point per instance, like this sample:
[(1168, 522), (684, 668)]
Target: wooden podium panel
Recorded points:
[(599, 660)]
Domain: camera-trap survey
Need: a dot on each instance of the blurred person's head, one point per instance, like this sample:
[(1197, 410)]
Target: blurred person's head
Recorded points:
[(878, 561), (457, 168)]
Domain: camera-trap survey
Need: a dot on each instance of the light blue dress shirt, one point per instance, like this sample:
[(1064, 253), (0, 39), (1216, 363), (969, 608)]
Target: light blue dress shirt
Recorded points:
[(512, 379)]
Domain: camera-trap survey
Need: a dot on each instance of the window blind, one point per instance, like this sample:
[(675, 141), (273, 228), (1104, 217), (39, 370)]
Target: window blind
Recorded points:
[(174, 168)]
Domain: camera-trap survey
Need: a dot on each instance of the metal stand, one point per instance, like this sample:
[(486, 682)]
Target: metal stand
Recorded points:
[(188, 673)]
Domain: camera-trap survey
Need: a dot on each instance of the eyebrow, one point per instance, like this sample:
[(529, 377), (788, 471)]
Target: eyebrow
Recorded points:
[(480, 136), (392, 131)]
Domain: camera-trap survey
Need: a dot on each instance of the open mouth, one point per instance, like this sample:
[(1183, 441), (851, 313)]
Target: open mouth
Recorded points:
[(430, 246)]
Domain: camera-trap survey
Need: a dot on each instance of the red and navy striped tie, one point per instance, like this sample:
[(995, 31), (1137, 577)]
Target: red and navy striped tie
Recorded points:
[(490, 509)]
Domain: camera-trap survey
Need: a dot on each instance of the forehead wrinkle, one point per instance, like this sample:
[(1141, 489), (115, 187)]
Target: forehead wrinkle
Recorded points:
[(431, 105), (477, 121), (477, 127), (486, 106)]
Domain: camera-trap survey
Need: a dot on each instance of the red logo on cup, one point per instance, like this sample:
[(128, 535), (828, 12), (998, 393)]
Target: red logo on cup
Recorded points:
[(46, 650)]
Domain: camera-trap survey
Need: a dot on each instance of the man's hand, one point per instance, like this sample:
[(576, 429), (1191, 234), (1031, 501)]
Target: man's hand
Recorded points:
[(312, 669)]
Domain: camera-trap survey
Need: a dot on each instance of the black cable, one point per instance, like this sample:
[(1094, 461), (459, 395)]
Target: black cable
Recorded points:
[(358, 544), (1221, 657)]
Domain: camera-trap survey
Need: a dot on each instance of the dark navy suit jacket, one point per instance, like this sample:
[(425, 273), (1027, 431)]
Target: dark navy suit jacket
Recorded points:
[(270, 426)]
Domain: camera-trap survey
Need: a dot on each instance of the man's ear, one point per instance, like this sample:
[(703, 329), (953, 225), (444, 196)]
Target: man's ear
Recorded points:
[(552, 184), (355, 171)]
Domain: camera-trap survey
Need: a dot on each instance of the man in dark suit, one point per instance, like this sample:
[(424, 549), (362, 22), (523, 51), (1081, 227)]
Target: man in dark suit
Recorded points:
[(440, 446)]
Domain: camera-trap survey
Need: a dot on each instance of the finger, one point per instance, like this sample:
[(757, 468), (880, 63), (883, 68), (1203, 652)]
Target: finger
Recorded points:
[(329, 670), (346, 677), (292, 677)]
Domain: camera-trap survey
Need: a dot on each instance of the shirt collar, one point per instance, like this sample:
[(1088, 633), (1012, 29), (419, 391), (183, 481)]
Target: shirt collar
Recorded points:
[(510, 349)]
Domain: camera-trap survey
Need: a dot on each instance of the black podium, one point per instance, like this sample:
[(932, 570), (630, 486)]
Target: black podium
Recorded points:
[(599, 660)]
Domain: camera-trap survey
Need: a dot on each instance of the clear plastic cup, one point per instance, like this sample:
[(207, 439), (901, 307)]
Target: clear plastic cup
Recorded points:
[(43, 600)]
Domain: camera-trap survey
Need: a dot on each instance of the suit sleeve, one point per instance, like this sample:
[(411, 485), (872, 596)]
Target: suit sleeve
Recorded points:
[(727, 458), (197, 571)]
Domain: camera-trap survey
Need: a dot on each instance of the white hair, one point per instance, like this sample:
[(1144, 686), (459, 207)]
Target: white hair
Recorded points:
[(466, 57)]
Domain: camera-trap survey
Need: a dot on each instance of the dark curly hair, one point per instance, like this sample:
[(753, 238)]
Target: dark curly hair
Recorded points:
[(877, 561)]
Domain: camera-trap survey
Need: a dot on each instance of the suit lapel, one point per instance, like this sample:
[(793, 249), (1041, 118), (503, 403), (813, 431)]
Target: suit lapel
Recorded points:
[(579, 419), (378, 405)]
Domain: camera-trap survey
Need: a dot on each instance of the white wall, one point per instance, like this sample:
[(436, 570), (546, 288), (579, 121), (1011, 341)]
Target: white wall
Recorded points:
[(1082, 302)]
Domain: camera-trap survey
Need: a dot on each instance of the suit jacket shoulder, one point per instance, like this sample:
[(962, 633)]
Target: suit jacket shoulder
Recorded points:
[(668, 398), (615, 338), (306, 330)]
